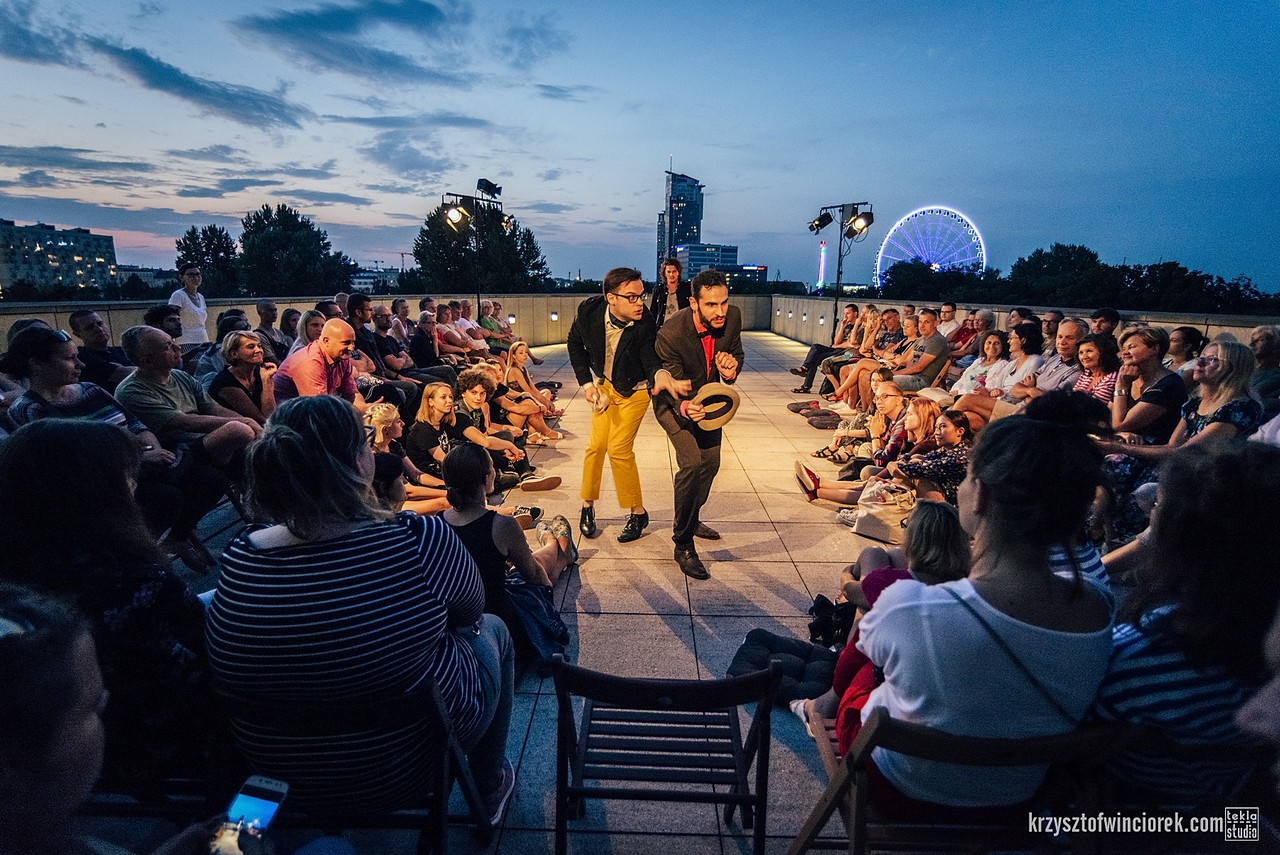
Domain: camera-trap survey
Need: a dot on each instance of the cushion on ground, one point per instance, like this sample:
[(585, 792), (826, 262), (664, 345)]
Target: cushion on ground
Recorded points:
[(807, 669)]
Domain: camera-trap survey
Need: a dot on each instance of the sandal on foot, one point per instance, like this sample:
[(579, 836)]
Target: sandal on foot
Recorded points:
[(825, 453)]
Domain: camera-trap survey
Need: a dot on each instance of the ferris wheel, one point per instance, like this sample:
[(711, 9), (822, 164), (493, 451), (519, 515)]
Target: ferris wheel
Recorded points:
[(940, 237)]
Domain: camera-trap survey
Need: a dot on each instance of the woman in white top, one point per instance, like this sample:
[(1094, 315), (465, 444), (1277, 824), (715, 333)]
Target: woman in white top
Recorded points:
[(191, 304), (993, 350), (1029, 487)]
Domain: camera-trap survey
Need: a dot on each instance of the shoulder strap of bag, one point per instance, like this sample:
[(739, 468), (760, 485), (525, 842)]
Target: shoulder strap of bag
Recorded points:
[(1013, 657)]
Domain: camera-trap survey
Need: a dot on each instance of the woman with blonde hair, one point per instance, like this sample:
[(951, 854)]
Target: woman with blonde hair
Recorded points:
[(435, 431), (424, 493), (309, 327), (244, 385), (517, 379)]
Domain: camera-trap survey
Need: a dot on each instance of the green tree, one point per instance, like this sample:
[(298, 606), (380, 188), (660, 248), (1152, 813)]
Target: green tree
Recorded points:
[(213, 249), (484, 256), (284, 254)]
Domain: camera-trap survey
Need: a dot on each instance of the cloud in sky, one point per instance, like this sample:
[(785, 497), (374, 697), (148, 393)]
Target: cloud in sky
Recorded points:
[(424, 121), (210, 153), (526, 40), (552, 175), (563, 93), (225, 186), (348, 39), (26, 40), (549, 207), (406, 159), (321, 198), (61, 157), (36, 178), (242, 104)]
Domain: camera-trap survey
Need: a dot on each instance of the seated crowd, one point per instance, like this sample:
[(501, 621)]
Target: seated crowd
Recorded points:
[(1084, 544)]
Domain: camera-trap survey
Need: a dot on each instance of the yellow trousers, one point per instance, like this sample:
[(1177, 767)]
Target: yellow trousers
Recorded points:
[(613, 434)]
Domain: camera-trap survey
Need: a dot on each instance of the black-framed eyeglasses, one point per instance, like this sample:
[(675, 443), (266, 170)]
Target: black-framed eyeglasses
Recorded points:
[(630, 298)]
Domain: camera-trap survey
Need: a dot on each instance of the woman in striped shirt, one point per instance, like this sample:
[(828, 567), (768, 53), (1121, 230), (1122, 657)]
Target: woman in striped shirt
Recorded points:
[(340, 601)]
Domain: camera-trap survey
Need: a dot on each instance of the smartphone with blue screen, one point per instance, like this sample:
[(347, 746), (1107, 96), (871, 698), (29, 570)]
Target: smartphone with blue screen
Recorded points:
[(249, 816)]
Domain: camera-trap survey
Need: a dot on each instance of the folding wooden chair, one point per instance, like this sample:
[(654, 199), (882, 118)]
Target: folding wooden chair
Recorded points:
[(663, 740), (440, 743), (1074, 753)]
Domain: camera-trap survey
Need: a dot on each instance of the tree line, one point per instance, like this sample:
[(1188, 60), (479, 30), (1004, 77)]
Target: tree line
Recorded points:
[(1074, 276)]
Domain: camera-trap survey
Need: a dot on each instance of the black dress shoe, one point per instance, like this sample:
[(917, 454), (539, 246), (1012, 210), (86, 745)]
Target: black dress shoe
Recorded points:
[(634, 528), (690, 564), (587, 522), (706, 532)]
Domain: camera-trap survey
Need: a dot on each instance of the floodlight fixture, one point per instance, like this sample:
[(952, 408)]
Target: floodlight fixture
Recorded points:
[(457, 217), (856, 225), (508, 222), (488, 188), (821, 221)]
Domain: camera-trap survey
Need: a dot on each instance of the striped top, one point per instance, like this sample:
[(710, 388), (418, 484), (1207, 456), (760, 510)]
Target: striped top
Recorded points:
[(1150, 683), (93, 404), (373, 613)]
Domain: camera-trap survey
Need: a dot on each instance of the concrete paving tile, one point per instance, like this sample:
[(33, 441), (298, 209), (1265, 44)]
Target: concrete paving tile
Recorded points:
[(718, 637), (821, 541), (743, 541), (656, 646), (724, 506), (613, 586), (750, 588), (821, 577)]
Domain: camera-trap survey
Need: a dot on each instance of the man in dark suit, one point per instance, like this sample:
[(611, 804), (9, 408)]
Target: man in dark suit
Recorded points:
[(612, 338), (701, 344), (672, 293)]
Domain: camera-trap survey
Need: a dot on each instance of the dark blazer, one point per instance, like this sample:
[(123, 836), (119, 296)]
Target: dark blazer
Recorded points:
[(680, 350), (635, 361), (659, 303)]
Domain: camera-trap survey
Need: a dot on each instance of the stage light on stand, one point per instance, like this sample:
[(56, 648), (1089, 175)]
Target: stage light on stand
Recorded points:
[(820, 222)]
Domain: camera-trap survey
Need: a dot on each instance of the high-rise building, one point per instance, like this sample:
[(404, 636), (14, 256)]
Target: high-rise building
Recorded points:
[(680, 224), (47, 256)]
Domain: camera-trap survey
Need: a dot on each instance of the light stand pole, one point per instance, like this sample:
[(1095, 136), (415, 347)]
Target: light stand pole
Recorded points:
[(854, 224)]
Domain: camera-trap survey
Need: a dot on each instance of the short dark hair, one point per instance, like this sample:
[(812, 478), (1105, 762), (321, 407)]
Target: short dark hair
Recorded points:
[(74, 319), (422, 304), (464, 469), (154, 317), (323, 306), (708, 279), (1107, 314), (190, 265), (908, 305), (933, 313), (619, 276), (358, 301), (952, 305)]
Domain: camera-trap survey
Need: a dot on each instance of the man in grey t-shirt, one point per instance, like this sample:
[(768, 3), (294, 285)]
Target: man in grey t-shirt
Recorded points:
[(927, 356)]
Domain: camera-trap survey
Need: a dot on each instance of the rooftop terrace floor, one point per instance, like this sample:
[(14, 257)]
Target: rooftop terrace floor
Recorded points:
[(632, 612)]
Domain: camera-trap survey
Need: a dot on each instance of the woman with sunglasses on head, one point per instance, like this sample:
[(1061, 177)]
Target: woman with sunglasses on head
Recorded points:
[(191, 305)]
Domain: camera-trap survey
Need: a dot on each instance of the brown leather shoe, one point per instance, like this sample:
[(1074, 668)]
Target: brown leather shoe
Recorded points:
[(690, 564)]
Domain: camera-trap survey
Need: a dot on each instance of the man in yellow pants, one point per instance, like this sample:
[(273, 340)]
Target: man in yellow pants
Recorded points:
[(611, 350)]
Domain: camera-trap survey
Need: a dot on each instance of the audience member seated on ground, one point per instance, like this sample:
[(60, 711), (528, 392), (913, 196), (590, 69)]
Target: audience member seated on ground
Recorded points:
[(164, 317), (984, 320), (424, 349), (1185, 344), (1049, 331), (1059, 371), (174, 407), (424, 493), (11, 387), (104, 365), (90, 547), (496, 542), (396, 358), (855, 386), (1100, 366), (1264, 341), (1024, 361), (498, 341), (1260, 716), (436, 430), (993, 347), (335, 551), (928, 356), (245, 384), (342, 301), (402, 328), (948, 326), (52, 743), (517, 380), (276, 341), (869, 326), (862, 430), (360, 314), (449, 340), (211, 361), (22, 324), (1269, 432), (1188, 650), (1148, 396), (511, 406), (323, 367), (1021, 315), (935, 549), (1029, 487), (1104, 322), (937, 474), (289, 326), (310, 323), (175, 494), (841, 339), (331, 309), (475, 385)]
